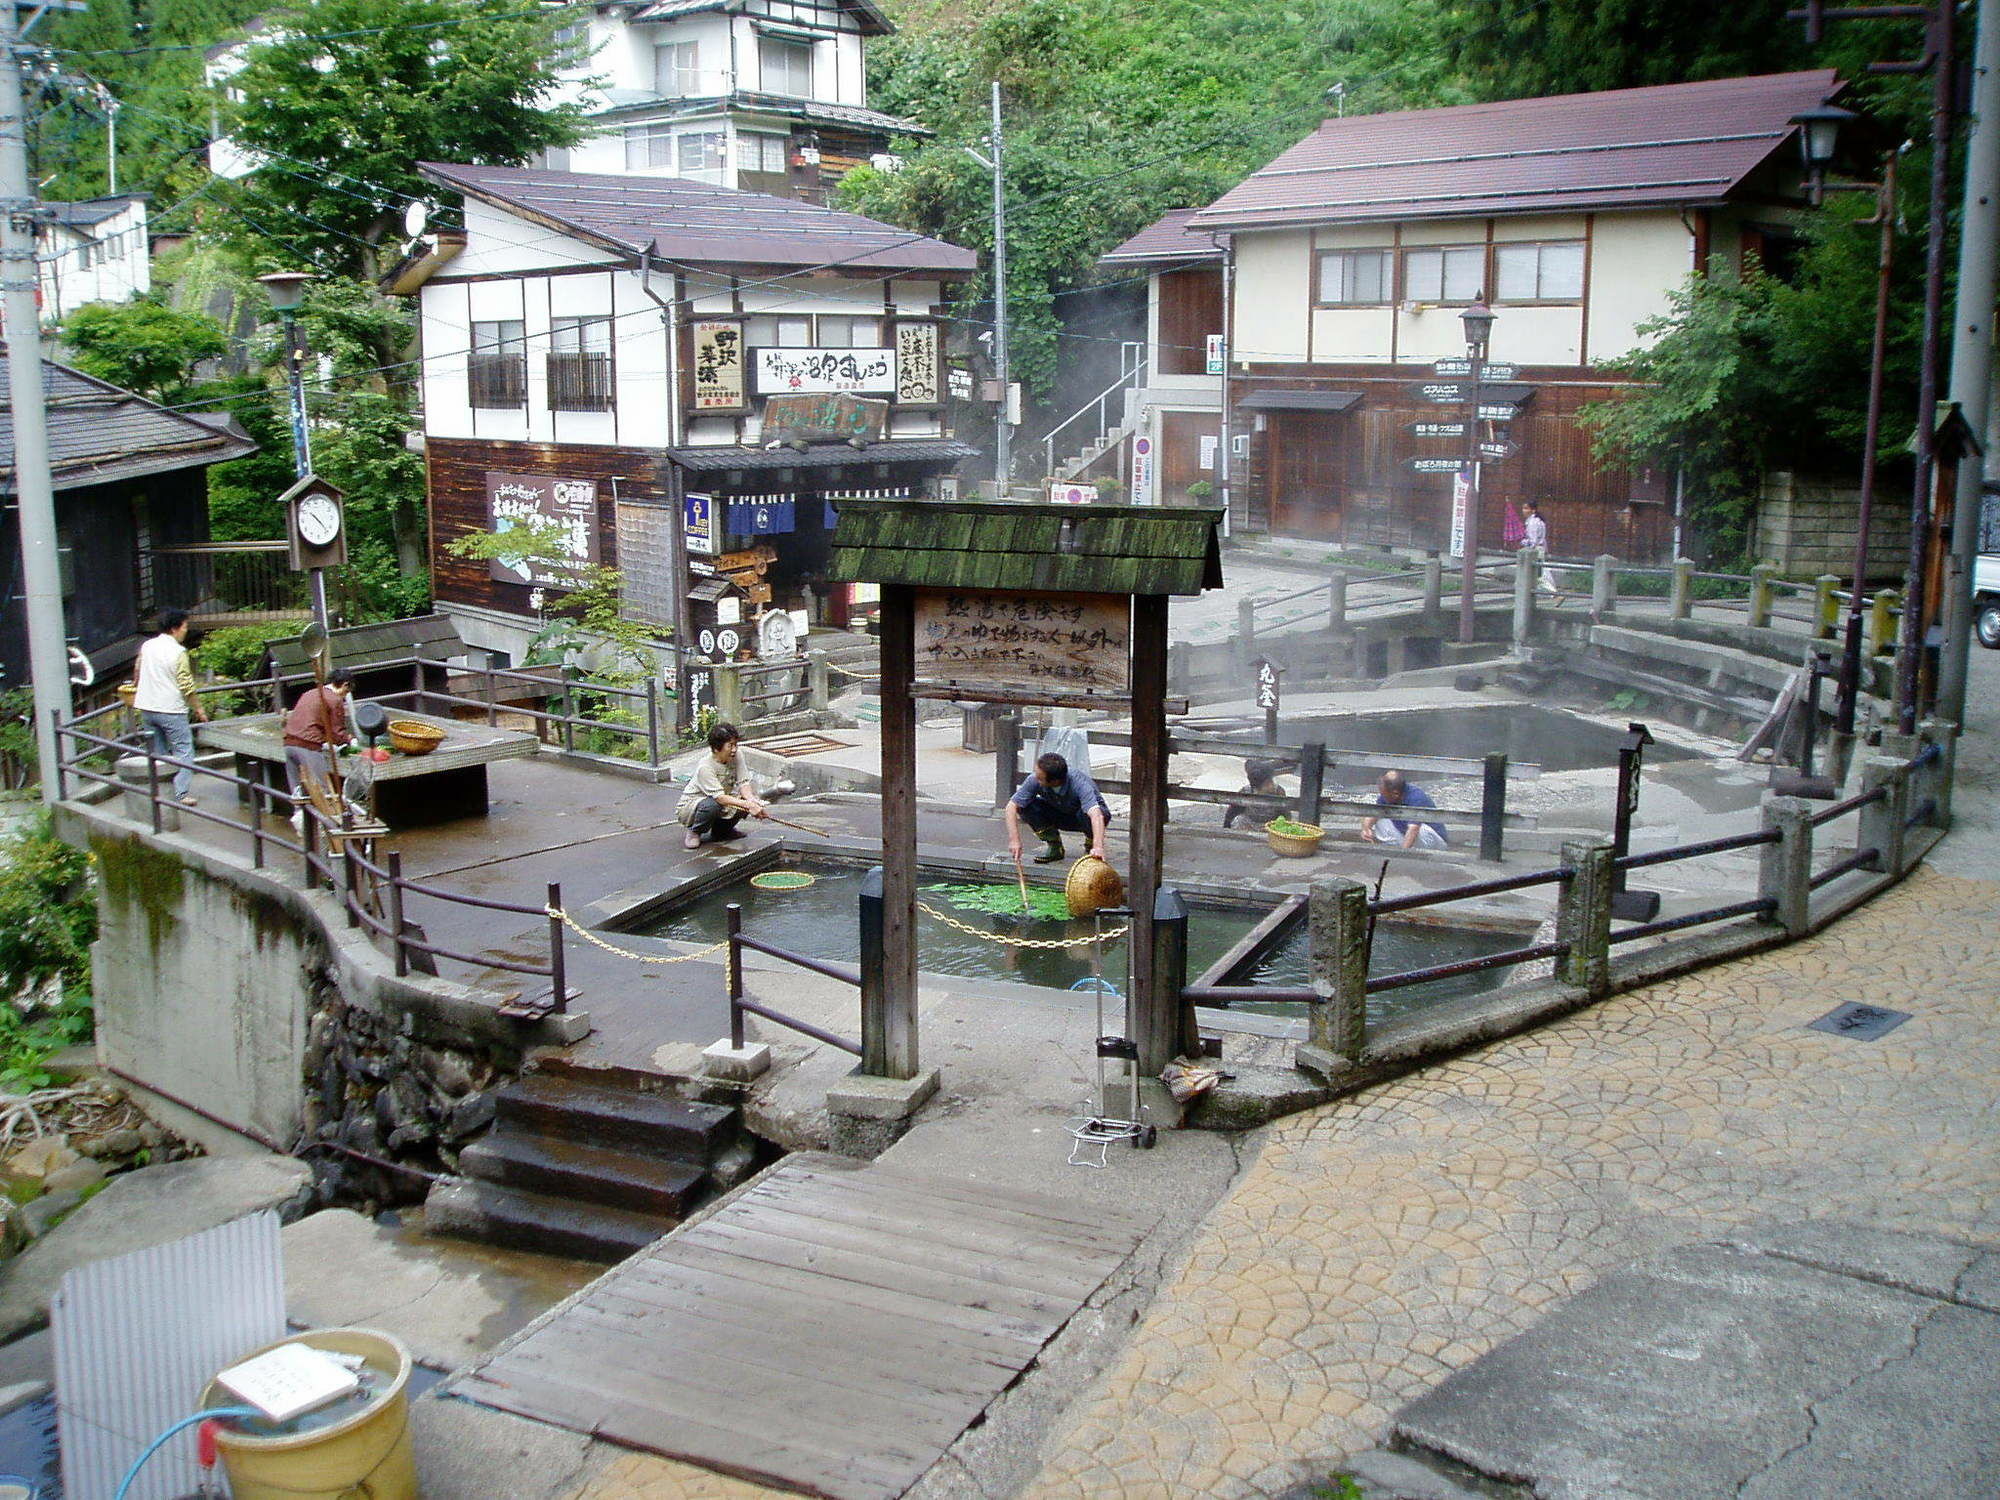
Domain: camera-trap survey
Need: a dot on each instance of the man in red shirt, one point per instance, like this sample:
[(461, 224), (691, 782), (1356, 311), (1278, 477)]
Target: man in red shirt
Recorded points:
[(315, 726)]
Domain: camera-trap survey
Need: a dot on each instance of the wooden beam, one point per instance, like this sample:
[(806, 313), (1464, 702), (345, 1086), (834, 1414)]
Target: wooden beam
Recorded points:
[(889, 1036), (1163, 1023)]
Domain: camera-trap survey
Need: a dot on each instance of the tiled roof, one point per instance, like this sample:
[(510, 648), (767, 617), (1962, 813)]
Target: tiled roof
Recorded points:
[(1072, 549), (1171, 238), (1623, 148), (873, 21), (91, 210), (99, 433), (822, 456), (687, 221)]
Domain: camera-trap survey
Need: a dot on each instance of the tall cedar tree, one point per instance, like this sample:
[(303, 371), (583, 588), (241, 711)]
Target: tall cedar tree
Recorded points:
[(1514, 51)]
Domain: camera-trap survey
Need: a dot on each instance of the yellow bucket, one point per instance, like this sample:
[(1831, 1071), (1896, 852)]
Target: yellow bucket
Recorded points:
[(363, 1456)]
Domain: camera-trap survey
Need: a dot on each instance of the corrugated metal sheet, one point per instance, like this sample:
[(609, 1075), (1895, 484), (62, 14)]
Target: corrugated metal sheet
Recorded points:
[(694, 222), (1170, 238), (1622, 148), (823, 456), (138, 1336)]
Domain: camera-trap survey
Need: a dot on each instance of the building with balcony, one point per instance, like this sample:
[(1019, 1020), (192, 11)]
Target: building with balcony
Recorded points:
[(601, 352), (1302, 393)]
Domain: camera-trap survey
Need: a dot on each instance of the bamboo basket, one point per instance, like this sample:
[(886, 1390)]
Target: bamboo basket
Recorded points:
[(414, 737), (1294, 845)]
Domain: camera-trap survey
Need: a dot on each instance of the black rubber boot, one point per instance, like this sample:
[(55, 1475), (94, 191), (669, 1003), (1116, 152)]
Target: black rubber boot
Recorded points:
[(1053, 852)]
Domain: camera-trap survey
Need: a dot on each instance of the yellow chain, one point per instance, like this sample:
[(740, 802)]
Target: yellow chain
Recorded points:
[(645, 958), (1007, 942)]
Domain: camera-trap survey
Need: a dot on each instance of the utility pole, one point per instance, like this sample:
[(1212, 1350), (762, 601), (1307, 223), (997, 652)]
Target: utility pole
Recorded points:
[(1972, 353), (34, 493), (1003, 432)]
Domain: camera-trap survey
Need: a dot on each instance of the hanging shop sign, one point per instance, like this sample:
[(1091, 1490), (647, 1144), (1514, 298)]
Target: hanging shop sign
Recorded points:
[(870, 372), (699, 519), (762, 517), (717, 366), (1461, 501), (515, 501), (1053, 643), (833, 417), (919, 363)]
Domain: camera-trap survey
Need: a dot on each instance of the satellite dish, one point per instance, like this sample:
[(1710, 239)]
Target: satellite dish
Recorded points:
[(415, 217), (81, 672)]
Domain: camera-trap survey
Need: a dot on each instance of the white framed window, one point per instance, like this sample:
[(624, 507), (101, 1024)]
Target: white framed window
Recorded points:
[(677, 70), (785, 66), (1354, 278), (842, 332), (776, 331), (497, 372), (649, 146), (586, 335), (760, 151), (699, 151), (1444, 273), (1551, 272)]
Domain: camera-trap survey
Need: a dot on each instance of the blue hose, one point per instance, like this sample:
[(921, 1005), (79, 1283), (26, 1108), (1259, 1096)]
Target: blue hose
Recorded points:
[(125, 1484), (1104, 985)]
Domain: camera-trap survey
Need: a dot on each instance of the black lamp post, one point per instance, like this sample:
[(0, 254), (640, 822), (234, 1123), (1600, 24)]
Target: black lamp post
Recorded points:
[(1819, 142), (1478, 321)]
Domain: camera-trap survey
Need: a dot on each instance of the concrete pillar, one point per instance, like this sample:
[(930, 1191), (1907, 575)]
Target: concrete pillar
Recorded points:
[(142, 791), (1527, 568), (1784, 869), (1337, 919), (1882, 822), (1826, 608), (728, 692), (1603, 585), (1336, 600), (1583, 920), (1883, 613), (1433, 585), (1760, 594), (819, 680), (1680, 597), (1944, 770)]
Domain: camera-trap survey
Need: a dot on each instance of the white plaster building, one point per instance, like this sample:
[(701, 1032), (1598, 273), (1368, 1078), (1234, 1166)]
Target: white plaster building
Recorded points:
[(94, 251)]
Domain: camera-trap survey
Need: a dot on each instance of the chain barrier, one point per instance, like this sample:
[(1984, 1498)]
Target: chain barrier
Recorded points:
[(1007, 942), (645, 958)]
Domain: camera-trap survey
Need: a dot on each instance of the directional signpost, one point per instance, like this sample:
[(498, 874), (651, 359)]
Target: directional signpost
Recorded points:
[(1267, 697), (1444, 392), (1494, 452), (1461, 366), (1435, 465), (1438, 429)]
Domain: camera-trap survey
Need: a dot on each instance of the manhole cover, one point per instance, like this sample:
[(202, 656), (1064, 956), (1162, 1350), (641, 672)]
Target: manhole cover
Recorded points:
[(1862, 1022)]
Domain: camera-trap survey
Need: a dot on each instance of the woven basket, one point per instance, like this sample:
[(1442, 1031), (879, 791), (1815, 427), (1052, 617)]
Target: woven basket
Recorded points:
[(1092, 885), (414, 737), (1294, 845)]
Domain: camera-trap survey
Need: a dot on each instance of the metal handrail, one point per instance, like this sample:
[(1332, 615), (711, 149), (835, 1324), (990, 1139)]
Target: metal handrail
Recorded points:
[(738, 1005), (1469, 890), (1507, 959), (1756, 908), (1723, 845), (1129, 377)]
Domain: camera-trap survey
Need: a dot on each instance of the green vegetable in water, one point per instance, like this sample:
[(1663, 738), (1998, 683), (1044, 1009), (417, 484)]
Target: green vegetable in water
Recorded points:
[(1292, 828), (1005, 900)]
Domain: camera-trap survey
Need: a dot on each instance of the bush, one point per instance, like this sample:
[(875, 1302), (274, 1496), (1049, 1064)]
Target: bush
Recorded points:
[(48, 917)]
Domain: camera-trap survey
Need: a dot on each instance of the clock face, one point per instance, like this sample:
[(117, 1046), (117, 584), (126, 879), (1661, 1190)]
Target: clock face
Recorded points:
[(319, 520)]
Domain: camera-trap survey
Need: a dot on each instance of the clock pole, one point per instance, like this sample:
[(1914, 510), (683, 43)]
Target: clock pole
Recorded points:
[(287, 290)]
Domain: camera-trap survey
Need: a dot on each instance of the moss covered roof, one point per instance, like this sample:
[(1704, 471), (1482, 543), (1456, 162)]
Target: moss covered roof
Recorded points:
[(1065, 549)]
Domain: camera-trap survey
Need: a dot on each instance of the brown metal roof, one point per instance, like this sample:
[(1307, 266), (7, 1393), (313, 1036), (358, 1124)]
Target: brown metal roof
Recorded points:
[(1623, 148), (1170, 239), (684, 221)]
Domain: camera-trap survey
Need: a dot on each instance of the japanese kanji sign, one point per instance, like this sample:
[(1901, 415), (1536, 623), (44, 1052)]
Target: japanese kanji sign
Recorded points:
[(717, 368), (863, 371), (1050, 642), (514, 500), (919, 364)]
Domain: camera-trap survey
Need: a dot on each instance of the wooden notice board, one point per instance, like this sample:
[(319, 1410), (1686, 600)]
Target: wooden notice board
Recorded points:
[(1025, 642)]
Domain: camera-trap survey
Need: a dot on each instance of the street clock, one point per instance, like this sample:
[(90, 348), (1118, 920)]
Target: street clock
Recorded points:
[(315, 523)]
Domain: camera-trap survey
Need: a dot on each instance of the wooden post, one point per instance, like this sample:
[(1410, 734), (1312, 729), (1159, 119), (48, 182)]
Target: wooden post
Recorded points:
[(1784, 869), (568, 707), (1583, 919), (1826, 608), (1312, 780), (1337, 918), (558, 971), (652, 718), (889, 1027), (1603, 585), (1006, 756), (1883, 612), (1170, 956), (733, 965), (1161, 1033), (1680, 593), (396, 913), (1760, 594), (1492, 807)]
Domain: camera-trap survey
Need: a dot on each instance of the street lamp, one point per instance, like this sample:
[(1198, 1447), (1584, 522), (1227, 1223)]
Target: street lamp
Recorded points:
[(287, 291), (1819, 139), (1478, 321)]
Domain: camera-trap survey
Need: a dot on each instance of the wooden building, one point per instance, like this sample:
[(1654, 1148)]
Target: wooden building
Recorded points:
[(1349, 258), (131, 498), (601, 354)]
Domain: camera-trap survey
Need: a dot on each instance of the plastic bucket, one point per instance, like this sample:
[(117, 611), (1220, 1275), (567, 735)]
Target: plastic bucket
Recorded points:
[(364, 1455)]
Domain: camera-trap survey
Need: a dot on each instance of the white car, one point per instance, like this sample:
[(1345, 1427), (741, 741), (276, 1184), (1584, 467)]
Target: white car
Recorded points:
[(1986, 599)]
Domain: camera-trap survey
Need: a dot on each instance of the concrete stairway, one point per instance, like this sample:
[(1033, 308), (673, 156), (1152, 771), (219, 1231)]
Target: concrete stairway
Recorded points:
[(588, 1170), (850, 652)]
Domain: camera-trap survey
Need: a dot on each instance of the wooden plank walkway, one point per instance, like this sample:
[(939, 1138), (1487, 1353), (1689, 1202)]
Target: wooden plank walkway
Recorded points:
[(831, 1329)]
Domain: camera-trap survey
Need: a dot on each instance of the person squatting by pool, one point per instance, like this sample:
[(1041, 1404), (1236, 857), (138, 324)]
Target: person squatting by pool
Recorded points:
[(1054, 801), (1395, 791), (717, 796)]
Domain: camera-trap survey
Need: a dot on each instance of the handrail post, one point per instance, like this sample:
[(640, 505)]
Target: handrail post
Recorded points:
[(417, 682), (152, 785), (1784, 869), (56, 739), (729, 692), (1493, 807), (1312, 780), (349, 898), (1825, 607), (1760, 594), (568, 708), (1336, 599), (652, 717), (1883, 610), (492, 697), (1527, 570), (1944, 770), (558, 977), (1583, 917), (1680, 594), (1603, 585), (1006, 756), (819, 682), (1882, 822), (733, 969), (1170, 935), (1433, 585), (1337, 921), (308, 839), (396, 947)]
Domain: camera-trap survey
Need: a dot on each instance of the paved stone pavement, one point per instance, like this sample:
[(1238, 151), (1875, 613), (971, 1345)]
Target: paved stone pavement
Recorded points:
[(1381, 1242)]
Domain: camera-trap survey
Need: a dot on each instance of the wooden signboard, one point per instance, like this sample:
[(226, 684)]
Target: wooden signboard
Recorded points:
[(1024, 642), (717, 365), (837, 417)]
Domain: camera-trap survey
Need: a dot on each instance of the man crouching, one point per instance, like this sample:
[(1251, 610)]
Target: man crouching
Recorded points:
[(1054, 801), (716, 796)]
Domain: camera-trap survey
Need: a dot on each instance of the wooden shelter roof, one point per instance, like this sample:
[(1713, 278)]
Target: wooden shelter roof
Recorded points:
[(1065, 549)]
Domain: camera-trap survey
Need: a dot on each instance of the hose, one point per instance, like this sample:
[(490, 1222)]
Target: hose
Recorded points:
[(125, 1484)]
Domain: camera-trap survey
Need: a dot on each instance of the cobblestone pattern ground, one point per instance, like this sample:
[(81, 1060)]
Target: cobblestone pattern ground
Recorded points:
[(1378, 1243)]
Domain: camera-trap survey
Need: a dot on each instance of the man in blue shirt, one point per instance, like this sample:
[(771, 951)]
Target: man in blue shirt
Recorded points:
[(1395, 791), (1054, 801)]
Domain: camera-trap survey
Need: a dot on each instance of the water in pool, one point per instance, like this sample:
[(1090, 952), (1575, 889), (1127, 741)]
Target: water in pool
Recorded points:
[(820, 921), (1548, 737)]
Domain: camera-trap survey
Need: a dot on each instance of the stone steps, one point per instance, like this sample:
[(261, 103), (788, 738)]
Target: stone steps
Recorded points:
[(509, 1157), (469, 1209), (542, 1103)]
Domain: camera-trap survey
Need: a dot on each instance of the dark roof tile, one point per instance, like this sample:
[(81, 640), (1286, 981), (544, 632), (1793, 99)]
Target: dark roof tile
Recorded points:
[(1170, 238), (99, 433)]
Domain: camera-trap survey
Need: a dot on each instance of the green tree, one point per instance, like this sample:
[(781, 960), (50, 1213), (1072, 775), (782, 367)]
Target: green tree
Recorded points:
[(143, 345), (1581, 46)]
